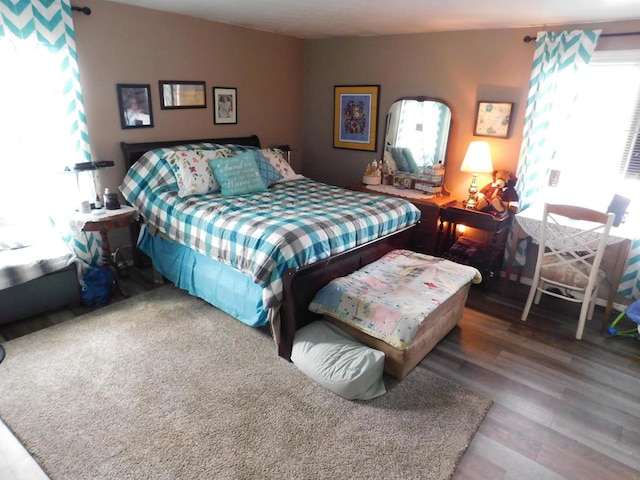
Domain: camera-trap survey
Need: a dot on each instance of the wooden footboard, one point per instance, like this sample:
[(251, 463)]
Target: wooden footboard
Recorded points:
[(301, 284)]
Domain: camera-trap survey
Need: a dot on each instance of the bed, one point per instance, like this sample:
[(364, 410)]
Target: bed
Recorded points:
[(208, 243)]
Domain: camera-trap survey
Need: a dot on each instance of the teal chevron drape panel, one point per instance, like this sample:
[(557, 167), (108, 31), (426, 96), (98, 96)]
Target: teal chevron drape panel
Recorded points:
[(558, 61), (50, 23), (557, 64), (42, 31), (630, 281)]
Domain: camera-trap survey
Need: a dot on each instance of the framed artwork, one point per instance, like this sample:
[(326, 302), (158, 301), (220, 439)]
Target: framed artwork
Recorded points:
[(176, 94), (225, 105), (355, 116), (493, 119), (134, 101)]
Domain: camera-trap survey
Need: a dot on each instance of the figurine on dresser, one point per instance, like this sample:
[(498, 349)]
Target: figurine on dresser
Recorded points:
[(372, 174)]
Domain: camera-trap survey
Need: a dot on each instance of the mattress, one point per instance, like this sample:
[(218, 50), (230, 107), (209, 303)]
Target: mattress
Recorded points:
[(293, 224)]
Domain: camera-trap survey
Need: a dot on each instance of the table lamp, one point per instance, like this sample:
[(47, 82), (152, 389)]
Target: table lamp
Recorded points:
[(477, 160)]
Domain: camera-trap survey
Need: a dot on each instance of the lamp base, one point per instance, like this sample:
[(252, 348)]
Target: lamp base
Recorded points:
[(471, 202), (473, 190)]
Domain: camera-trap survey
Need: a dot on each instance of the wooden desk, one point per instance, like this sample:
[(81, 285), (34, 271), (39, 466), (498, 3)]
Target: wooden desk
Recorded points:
[(618, 249), (103, 222), (425, 238)]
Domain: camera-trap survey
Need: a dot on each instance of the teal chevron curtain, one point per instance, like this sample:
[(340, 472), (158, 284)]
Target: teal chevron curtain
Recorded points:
[(45, 29), (630, 281), (557, 64), (42, 119)]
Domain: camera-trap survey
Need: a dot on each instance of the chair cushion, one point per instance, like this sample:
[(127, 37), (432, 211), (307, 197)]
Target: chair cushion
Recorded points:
[(568, 274)]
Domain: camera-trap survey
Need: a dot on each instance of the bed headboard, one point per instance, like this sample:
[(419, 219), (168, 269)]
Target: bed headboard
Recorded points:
[(133, 151)]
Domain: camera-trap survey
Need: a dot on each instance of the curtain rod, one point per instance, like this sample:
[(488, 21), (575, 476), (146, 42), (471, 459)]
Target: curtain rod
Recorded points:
[(529, 38), (85, 10)]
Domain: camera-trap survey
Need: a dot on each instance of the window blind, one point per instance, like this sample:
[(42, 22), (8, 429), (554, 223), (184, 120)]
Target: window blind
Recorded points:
[(629, 162)]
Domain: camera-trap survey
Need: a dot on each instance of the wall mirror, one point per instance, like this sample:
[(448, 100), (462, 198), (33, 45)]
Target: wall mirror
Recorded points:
[(420, 125), (176, 94)]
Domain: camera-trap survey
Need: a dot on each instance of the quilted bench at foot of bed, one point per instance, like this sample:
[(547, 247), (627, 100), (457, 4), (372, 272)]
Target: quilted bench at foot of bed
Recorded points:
[(398, 362)]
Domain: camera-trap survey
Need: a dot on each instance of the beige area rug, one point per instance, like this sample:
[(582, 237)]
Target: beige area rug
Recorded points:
[(165, 386)]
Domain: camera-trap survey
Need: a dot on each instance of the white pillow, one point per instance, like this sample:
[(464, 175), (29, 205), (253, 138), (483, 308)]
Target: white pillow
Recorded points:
[(338, 362), (13, 237), (193, 174), (388, 158), (276, 159)]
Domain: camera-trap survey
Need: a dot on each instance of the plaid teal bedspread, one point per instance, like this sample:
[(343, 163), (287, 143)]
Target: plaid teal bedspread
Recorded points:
[(293, 224)]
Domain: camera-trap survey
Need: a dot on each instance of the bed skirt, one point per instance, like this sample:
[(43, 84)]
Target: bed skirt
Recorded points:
[(232, 292)]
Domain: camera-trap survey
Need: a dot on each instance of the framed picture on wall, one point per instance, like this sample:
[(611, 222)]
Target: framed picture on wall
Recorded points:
[(493, 119), (134, 101), (355, 116), (176, 94), (225, 105)]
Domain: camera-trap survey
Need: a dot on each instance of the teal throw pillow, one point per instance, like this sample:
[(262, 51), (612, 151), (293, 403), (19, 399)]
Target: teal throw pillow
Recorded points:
[(411, 161), (238, 175), (401, 161)]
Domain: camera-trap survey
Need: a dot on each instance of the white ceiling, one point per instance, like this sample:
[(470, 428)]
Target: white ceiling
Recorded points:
[(337, 18)]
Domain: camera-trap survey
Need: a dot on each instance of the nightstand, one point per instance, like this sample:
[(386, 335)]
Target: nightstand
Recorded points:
[(486, 253), (103, 221)]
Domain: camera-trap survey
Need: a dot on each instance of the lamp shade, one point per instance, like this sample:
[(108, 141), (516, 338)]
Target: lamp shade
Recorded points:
[(478, 158)]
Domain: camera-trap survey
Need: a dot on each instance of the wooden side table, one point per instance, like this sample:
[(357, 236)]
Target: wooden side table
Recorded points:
[(104, 221), (490, 252)]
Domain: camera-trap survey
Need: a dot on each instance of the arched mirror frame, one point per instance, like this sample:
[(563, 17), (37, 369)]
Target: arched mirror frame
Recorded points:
[(445, 144)]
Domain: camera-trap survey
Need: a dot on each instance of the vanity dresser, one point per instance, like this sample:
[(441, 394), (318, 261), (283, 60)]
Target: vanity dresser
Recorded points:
[(426, 235)]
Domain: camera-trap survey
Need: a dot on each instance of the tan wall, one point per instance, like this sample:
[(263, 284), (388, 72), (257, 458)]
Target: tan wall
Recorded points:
[(122, 44), (460, 68), (285, 85)]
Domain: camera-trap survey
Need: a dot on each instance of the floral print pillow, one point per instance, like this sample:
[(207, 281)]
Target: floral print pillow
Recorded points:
[(193, 174), (276, 159)]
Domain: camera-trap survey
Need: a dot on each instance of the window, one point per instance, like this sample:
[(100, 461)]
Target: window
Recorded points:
[(36, 141), (599, 153)]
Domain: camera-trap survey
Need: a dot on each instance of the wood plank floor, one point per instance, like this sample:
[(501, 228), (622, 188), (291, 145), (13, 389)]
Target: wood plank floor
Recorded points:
[(563, 408)]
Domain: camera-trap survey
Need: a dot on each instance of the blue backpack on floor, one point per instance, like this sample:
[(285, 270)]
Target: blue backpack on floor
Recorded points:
[(99, 285)]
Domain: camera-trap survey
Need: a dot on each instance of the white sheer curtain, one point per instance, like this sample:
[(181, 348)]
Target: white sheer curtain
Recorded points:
[(42, 122), (558, 62), (35, 142)]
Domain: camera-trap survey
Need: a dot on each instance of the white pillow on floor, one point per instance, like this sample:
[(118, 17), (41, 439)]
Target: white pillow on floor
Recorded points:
[(338, 362)]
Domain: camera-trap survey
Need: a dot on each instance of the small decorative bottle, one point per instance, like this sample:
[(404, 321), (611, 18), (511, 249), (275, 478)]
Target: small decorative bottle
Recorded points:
[(385, 172)]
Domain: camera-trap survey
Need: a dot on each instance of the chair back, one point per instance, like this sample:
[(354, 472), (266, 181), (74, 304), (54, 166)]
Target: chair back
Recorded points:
[(572, 242)]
